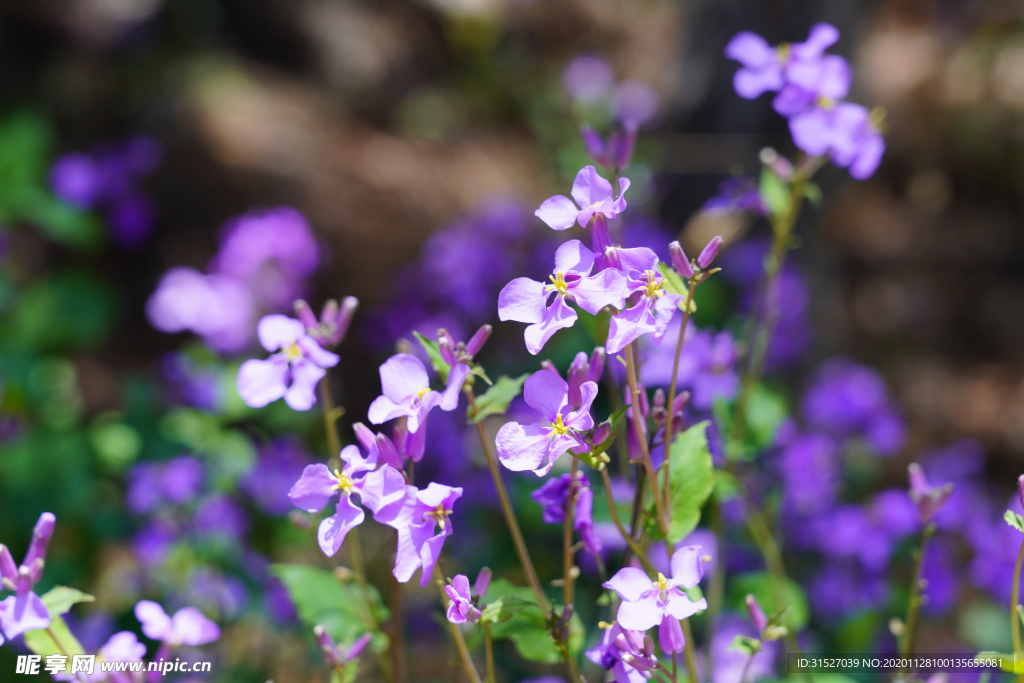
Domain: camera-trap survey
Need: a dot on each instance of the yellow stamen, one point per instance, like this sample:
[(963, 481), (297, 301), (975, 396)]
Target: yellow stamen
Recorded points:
[(557, 427), (293, 352), (653, 287), (344, 482), (557, 283), (783, 50), (826, 102), (662, 583), (877, 119), (422, 392), (439, 514)]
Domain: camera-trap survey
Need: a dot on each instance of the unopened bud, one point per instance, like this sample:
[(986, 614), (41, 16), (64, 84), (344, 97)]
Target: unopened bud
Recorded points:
[(596, 365), (645, 406), (594, 145), (549, 366), (709, 253), (477, 341), (1020, 489), (679, 260), (305, 315), (446, 346), (348, 311), (620, 146), (482, 583), (757, 615), (659, 398), (326, 645), (601, 434)]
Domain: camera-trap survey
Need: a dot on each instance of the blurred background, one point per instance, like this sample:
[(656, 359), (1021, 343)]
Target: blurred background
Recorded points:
[(415, 140)]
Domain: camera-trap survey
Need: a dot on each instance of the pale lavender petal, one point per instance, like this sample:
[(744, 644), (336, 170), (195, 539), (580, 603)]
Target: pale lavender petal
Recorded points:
[(261, 382), (619, 205), (640, 615), (123, 646), (630, 583), (590, 188), (383, 409), (870, 156), (792, 100), (192, 628), (155, 622), (811, 131), (456, 378), (430, 553), (456, 612), (355, 462), (835, 79), (382, 491), (8, 569), (687, 568), (23, 612), (546, 392), (521, 448), (607, 288), (664, 309), (573, 257), (558, 212), (408, 559), (332, 531), (752, 83), (301, 395), (317, 353), (461, 585), (637, 259), (751, 50), (278, 331), (557, 316), (849, 123), (314, 489), (522, 300), (557, 446), (680, 607), (419, 416), (365, 436), (398, 513), (401, 376), (580, 420), (628, 325), (821, 37)]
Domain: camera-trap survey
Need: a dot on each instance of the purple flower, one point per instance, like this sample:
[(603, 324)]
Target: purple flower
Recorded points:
[(378, 489), (176, 481), (154, 540), (461, 608), (280, 463), (594, 196), (338, 655), (553, 496), (220, 515), (616, 153), (707, 367), (292, 372), (217, 308), (416, 520), (526, 448), (188, 626), (768, 69), (650, 308), (75, 178), (646, 603), (334, 320), (857, 141), (737, 195), (525, 300), (635, 103), (587, 79), (927, 498), (25, 611), (123, 646), (810, 473), (622, 651), (407, 393)]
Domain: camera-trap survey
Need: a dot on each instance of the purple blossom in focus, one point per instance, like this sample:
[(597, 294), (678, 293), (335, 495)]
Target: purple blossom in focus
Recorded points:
[(594, 196), (460, 608), (417, 521), (25, 611), (646, 603), (650, 308), (609, 653), (406, 392)]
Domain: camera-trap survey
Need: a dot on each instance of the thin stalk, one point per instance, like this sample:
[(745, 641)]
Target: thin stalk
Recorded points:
[(568, 554), (907, 648), (746, 665), (634, 392), (489, 649), (398, 660), (510, 516), (670, 422), (330, 417), (460, 641), (56, 641), (615, 402), (675, 667), (634, 546), (689, 651), (1015, 601)]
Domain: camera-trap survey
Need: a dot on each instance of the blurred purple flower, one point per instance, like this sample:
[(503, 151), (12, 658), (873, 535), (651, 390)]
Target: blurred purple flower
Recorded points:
[(153, 541), (191, 384), (221, 515), (587, 79), (737, 195), (841, 589), (188, 626), (215, 307), (635, 103), (75, 178), (810, 473), (25, 611), (279, 465), (729, 663), (175, 481)]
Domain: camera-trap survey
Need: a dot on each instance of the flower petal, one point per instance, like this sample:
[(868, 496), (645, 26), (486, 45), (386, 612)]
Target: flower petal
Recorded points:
[(573, 257), (556, 317), (680, 607), (558, 212), (332, 531), (314, 489), (522, 300), (383, 491), (590, 188), (630, 583), (546, 392), (628, 325), (580, 419), (811, 131), (261, 382), (155, 622), (23, 612), (687, 568), (640, 615), (607, 288), (521, 448), (277, 331), (456, 378), (402, 376), (301, 395), (383, 409), (317, 353), (192, 628), (751, 50)]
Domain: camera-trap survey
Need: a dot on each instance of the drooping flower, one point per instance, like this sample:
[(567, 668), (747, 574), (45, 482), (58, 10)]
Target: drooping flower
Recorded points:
[(553, 495), (528, 447), (525, 300), (407, 392), (646, 603), (419, 546), (928, 498), (623, 652), (337, 656), (592, 193), (460, 608), (292, 372), (377, 489), (651, 308), (25, 611), (188, 626)]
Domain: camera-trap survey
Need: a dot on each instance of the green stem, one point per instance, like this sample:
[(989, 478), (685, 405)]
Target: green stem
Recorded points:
[(1015, 601), (568, 554), (907, 648), (634, 546), (489, 649), (689, 651), (750, 660), (670, 422), (634, 392), (330, 417)]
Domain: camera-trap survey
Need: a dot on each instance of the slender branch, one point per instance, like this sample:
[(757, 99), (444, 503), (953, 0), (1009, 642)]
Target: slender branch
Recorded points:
[(330, 417), (689, 651), (670, 422), (510, 515), (568, 553), (489, 649), (634, 392), (460, 641), (907, 648), (634, 546), (398, 657), (750, 660), (1015, 601)]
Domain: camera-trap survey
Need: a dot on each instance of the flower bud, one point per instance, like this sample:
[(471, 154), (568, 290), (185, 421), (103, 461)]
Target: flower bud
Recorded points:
[(757, 616), (410, 445), (601, 434), (388, 453), (357, 647), (670, 635), (550, 367), (446, 346), (1020, 489), (600, 237), (709, 253), (326, 645), (348, 311), (594, 145), (477, 341), (645, 406), (482, 583), (620, 146), (679, 260), (40, 539), (596, 365), (305, 315)]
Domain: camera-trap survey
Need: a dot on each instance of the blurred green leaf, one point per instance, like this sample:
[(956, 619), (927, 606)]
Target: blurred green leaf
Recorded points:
[(117, 444), (1014, 520), (761, 586), (71, 310), (766, 409), (59, 599), (433, 352), (745, 644), (42, 641), (774, 191), (495, 401), (526, 627), (692, 479)]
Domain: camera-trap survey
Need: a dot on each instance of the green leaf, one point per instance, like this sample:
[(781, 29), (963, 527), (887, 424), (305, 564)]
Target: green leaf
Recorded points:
[(503, 609), (727, 486), (42, 641), (434, 353), (527, 628), (59, 599), (495, 401), (745, 644), (766, 410), (674, 284), (343, 608), (1014, 520), (692, 479), (761, 586), (774, 192), (813, 193)]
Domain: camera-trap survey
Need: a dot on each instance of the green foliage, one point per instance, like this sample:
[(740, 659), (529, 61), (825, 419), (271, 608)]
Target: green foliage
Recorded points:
[(71, 310), (745, 644), (433, 352), (692, 480), (524, 624), (765, 411), (59, 599), (762, 586), (674, 284), (117, 444), (774, 192), (345, 609), (495, 401), (1014, 520), (42, 641)]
